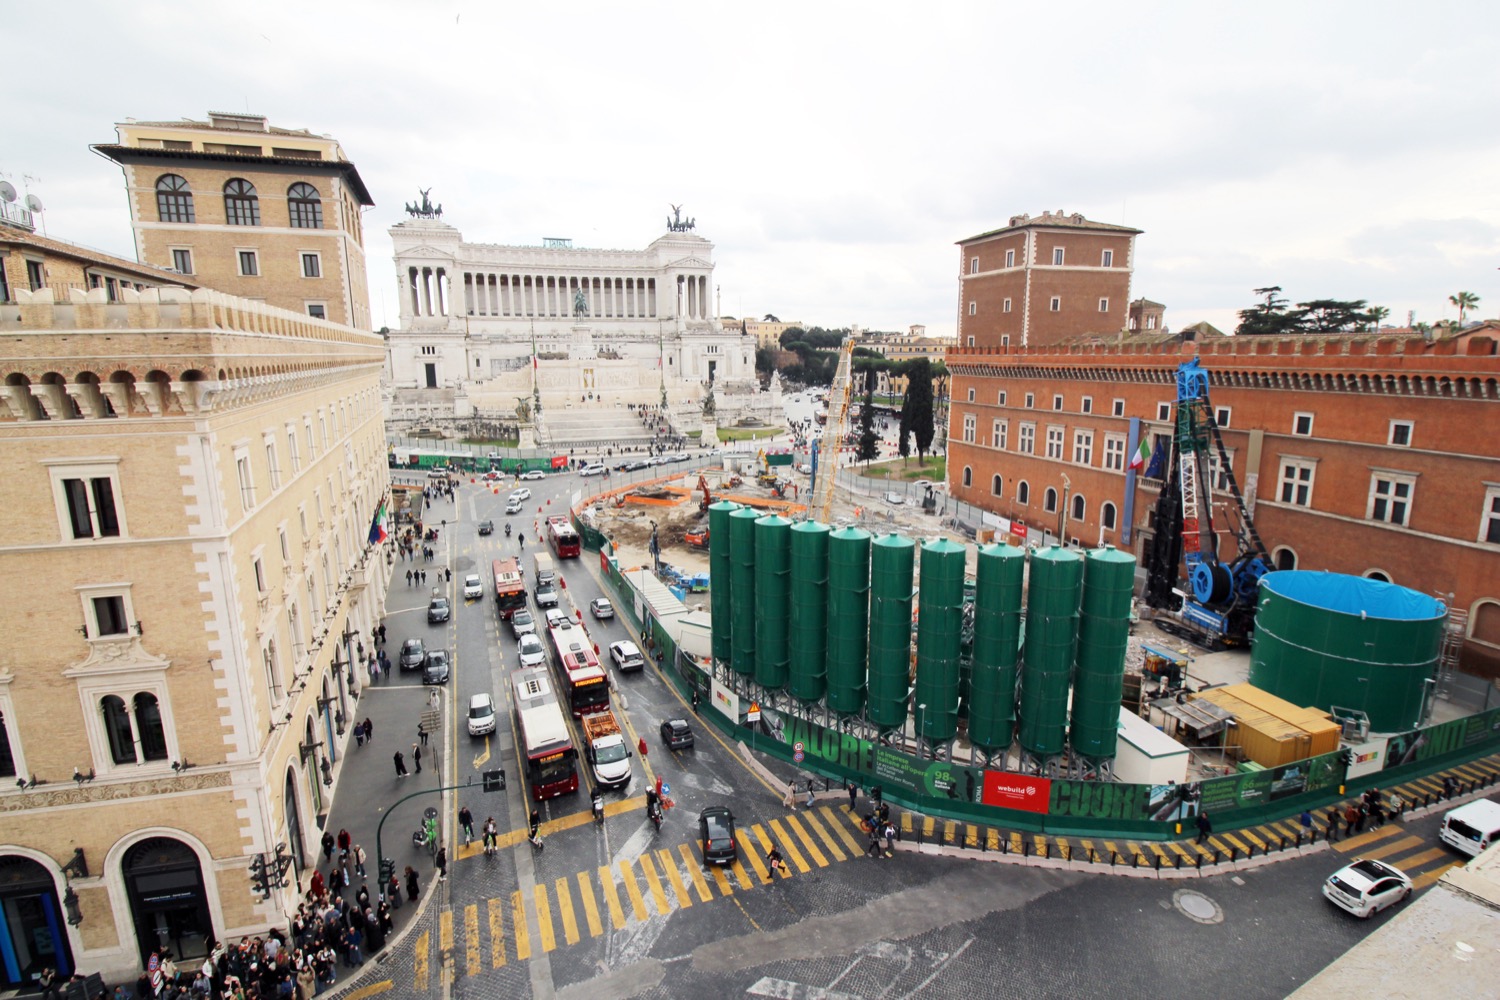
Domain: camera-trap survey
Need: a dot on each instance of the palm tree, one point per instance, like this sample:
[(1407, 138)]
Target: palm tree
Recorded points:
[(1465, 301), (1377, 316)]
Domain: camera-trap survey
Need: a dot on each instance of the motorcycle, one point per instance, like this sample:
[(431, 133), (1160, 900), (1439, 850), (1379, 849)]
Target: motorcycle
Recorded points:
[(507, 530)]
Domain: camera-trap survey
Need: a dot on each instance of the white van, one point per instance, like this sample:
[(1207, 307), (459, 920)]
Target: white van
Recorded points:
[(544, 570), (481, 714), (1472, 828)]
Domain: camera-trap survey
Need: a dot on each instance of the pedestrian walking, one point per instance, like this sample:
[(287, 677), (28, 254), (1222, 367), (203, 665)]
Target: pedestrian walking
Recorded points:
[(789, 800), (1205, 827), (358, 854), (393, 891), (1398, 805), (1360, 816), (359, 736), (369, 731), (416, 757), (889, 833), (1306, 820), (1449, 786), (1333, 824), (344, 866), (400, 765), (533, 824), (442, 864), (1351, 814), (775, 864), (382, 633), (448, 574), (872, 850), (327, 846), (809, 793), (853, 796), (408, 578), (344, 841), (466, 824), (413, 889)]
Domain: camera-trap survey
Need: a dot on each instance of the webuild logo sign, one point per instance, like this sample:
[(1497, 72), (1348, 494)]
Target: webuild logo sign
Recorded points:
[(1017, 791)]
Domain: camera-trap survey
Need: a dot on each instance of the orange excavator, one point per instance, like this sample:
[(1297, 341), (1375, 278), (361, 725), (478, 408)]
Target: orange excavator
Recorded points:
[(707, 497)]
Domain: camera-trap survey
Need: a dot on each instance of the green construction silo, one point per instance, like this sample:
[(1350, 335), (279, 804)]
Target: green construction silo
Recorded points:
[(1051, 640), (939, 637), (773, 552), (809, 611), (720, 578), (892, 558), (997, 645), (1103, 632), (1326, 640), (742, 589), (848, 618)]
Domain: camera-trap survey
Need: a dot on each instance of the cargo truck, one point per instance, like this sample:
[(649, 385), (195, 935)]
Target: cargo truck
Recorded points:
[(606, 748)]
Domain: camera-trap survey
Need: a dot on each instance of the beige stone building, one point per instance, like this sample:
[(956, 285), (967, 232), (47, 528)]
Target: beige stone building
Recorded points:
[(31, 262), (250, 209), (903, 347), (766, 333), (190, 482)]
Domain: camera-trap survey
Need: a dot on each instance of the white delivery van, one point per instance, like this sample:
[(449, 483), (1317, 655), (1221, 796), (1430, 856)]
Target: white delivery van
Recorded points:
[(1472, 828)]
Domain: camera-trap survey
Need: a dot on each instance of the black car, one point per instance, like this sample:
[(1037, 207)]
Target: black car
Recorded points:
[(438, 611), (413, 654), (716, 836), (437, 668), (676, 734), (486, 527)]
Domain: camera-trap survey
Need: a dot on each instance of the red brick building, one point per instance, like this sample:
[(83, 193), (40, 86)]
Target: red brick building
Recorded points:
[(1370, 455), (1044, 280)]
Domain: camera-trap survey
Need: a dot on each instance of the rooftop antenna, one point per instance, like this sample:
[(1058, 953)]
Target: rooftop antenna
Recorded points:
[(33, 203)]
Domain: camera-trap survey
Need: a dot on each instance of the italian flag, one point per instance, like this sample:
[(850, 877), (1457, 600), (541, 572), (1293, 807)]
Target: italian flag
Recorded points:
[(377, 526), (1138, 461)]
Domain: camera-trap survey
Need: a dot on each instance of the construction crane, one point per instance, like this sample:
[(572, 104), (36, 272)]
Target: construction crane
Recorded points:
[(1218, 607), (826, 449)]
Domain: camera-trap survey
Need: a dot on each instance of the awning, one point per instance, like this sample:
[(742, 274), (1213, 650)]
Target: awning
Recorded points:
[(1203, 718)]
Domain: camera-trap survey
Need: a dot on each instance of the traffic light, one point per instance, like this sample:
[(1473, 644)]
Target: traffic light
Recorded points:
[(387, 870), (1346, 757), (258, 876), (283, 863)]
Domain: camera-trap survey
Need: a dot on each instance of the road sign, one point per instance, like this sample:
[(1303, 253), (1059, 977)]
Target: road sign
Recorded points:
[(494, 780)]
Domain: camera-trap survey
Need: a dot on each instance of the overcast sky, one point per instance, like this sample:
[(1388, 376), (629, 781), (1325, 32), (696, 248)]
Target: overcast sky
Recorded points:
[(834, 152)]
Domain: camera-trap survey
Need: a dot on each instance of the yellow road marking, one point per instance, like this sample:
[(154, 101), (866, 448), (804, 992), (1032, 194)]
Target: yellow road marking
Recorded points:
[(445, 931), (1200, 849), (992, 839), (1176, 847), (1240, 844), (1284, 830), (906, 826), (825, 837), (753, 852), (658, 895), (1417, 860), (1087, 845), (472, 964), (1109, 845), (669, 865), (483, 757), (717, 871), (695, 873), (611, 896), (971, 835), (374, 989), (1015, 843), (590, 908), (1251, 837), (518, 923), (420, 965), (1393, 847), (950, 827), (565, 911), (741, 874), (807, 841), (928, 825), (544, 918), (842, 829), (1040, 842), (1468, 771), (1425, 879), (637, 904), (784, 840), (1156, 849), (1360, 840), (497, 934)]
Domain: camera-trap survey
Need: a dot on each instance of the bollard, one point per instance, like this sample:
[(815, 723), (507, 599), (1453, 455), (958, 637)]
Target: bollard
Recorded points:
[(1135, 860), (1093, 856), (1199, 859), (1025, 848), (1156, 861)]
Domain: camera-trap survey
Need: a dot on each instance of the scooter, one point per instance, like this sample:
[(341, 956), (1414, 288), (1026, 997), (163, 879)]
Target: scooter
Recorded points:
[(654, 812), (507, 530)]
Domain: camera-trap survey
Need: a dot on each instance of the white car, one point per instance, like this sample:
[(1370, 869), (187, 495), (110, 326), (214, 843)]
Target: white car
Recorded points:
[(1366, 887), (519, 493), (627, 656), (531, 651), (481, 715), (473, 589), (592, 469), (532, 474)]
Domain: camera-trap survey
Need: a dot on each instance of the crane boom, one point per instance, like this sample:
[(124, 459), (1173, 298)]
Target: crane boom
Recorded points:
[(825, 458)]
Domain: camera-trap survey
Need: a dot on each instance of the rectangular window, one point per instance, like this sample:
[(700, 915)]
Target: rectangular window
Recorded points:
[(317, 310), (1030, 400), (312, 266), (999, 432), (286, 550), (1057, 256), (973, 308), (1151, 322), (1390, 497), (1221, 416), (34, 275), (91, 509), (1117, 407), (1297, 482), (249, 264), (1027, 443), (271, 464), (260, 577), (1004, 340), (4, 286), (182, 261), (1083, 447), (1086, 405), (1055, 442), (1218, 475), (1000, 398), (1163, 411), (291, 447), (1010, 258), (247, 482), (1401, 433), (1057, 402), (973, 265), (1489, 518), (1114, 453), (109, 616), (1302, 424), (971, 395), (1104, 305), (1005, 306), (971, 341), (1056, 304), (969, 428), (1108, 259)]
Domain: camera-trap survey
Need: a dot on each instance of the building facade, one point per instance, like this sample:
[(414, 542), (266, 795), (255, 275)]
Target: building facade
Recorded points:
[(767, 334), (253, 210), (191, 480), (1044, 280), (904, 347), (32, 263), (1356, 454)]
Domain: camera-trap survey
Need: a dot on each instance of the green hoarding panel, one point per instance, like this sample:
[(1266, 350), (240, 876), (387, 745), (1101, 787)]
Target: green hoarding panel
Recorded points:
[(997, 643), (848, 618), (1051, 642), (720, 579), (939, 635), (891, 562), (809, 611), (742, 583), (773, 539), (1103, 633)]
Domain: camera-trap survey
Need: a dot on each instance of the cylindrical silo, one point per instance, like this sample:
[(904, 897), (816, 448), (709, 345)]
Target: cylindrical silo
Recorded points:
[(1051, 641), (773, 551), (720, 578), (1327, 639), (808, 640), (939, 636), (1103, 633), (742, 577), (891, 560), (848, 618), (997, 645)]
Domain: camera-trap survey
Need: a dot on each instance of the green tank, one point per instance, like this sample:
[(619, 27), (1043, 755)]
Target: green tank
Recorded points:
[(848, 618), (1103, 633), (997, 645), (809, 611), (939, 639), (773, 538), (720, 584), (742, 584), (1326, 639), (891, 561), (1051, 641)]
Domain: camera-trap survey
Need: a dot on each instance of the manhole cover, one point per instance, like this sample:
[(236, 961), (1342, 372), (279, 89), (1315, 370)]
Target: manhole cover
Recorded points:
[(1196, 906)]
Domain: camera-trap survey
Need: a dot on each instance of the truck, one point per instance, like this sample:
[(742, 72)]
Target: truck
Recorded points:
[(544, 580), (606, 749)]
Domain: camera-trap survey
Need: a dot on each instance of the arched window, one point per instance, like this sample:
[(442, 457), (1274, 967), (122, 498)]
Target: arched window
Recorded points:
[(1107, 517), (997, 485), (304, 206), (968, 475), (174, 200), (117, 729), (1023, 493), (148, 721), (1376, 574), (1079, 507), (1284, 559), (241, 204), (1049, 501)]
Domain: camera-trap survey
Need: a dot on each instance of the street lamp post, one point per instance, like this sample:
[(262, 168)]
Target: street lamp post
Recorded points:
[(921, 714)]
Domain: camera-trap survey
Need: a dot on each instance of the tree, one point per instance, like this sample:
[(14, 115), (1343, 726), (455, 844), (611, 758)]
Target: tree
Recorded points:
[(770, 318), (1377, 316), (1465, 301), (916, 408), (1332, 315), (1274, 317), (765, 360), (867, 439)]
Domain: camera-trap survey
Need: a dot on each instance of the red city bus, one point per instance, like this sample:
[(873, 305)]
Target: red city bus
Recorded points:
[(550, 759), (510, 587), (585, 686), (563, 538)]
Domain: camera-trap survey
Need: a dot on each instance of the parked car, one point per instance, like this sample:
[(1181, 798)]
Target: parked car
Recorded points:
[(519, 493), (1367, 887), (521, 623), (531, 651), (676, 734), (627, 656), (473, 588), (805, 468), (532, 474), (486, 527), (438, 611), (716, 836), (601, 608), (437, 669), (481, 714), (413, 654), (592, 469)]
